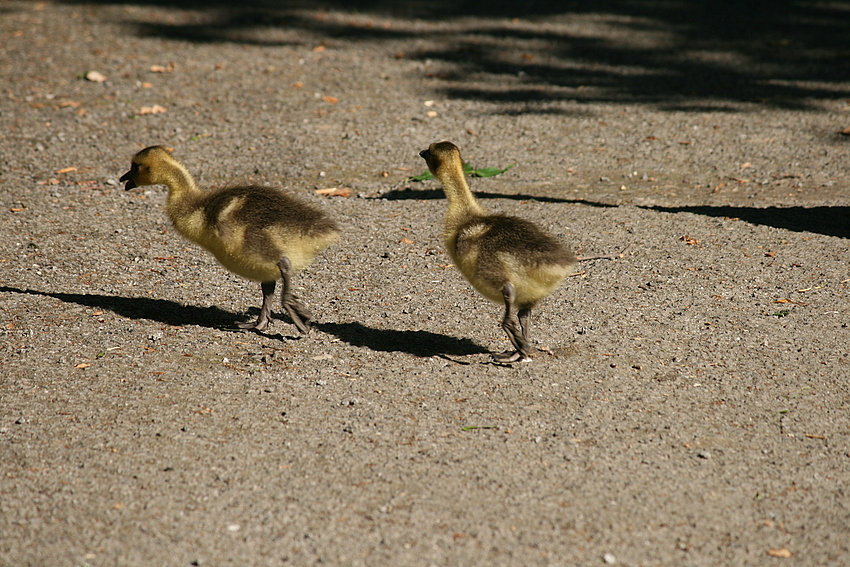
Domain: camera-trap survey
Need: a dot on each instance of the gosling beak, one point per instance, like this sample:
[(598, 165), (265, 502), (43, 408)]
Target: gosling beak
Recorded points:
[(130, 183), (425, 154)]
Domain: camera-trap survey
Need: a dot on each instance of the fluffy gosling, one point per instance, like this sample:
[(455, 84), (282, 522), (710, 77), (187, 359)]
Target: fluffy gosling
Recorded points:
[(507, 259), (256, 232)]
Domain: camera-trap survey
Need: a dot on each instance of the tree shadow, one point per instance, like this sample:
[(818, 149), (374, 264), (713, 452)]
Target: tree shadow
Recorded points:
[(674, 54), (408, 194), (161, 310), (423, 344), (830, 221)]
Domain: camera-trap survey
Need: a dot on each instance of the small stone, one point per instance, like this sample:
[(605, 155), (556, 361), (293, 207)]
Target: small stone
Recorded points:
[(95, 77), (704, 455), (609, 558)]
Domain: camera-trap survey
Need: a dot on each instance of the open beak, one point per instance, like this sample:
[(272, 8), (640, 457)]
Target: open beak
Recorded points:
[(130, 183)]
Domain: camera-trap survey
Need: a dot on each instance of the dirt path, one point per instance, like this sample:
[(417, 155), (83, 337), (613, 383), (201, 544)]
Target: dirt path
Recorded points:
[(688, 404)]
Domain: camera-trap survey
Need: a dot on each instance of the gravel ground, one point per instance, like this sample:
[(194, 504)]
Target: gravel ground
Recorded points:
[(688, 401)]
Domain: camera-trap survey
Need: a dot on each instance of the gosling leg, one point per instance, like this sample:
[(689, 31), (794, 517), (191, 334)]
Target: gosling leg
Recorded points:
[(293, 307), (265, 311), (524, 316), (515, 332)]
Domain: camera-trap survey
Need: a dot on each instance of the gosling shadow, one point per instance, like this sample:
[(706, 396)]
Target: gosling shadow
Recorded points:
[(161, 310), (423, 344)]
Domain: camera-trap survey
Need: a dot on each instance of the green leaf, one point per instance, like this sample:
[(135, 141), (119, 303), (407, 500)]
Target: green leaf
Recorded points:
[(468, 169), (489, 171), (422, 177)]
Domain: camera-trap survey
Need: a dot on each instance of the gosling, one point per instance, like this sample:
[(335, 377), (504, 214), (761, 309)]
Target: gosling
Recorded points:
[(256, 232), (507, 259)]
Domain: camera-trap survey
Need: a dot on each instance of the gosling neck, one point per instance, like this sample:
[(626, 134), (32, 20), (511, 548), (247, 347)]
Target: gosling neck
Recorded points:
[(181, 185), (462, 203)]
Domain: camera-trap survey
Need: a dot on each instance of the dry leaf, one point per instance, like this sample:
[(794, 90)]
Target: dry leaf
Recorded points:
[(147, 85), (69, 103), (784, 301), (319, 49), (334, 191), (161, 69), (431, 113), (155, 109), (690, 241), (330, 99), (95, 77), (67, 170), (406, 241), (298, 85), (812, 436), (846, 131), (782, 552), (82, 365)]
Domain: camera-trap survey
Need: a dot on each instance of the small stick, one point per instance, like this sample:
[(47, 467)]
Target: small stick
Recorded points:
[(622, 254)]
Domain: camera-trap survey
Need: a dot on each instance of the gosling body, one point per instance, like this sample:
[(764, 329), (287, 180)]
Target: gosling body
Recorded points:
[(508, 260), (256, 232)]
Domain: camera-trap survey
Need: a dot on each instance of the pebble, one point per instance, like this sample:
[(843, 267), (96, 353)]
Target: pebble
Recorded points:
[(609, 558)]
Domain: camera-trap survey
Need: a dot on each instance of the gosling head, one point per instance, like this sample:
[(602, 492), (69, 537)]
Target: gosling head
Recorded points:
[(142, 169), (440, 155)]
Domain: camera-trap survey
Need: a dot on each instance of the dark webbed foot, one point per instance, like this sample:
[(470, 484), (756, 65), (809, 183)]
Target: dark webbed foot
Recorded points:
[(517, 331), (265, 311), (510, 357), (258, 325), (296, 310)]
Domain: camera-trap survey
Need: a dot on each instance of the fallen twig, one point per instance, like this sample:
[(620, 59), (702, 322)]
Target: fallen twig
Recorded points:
[(622, 254)]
